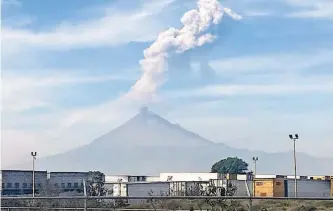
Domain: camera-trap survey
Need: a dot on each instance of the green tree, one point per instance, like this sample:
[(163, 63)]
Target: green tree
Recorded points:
[(95, 184), (232, 165)]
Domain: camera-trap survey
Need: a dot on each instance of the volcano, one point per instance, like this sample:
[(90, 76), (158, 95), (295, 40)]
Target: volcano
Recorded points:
[(147, 144)]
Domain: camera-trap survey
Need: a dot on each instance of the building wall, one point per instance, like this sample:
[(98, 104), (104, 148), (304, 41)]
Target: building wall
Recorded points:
[(332, 186), (243, 188), (279, 188), (147, 189), (264, 187), (120, 189), (189, 176), (68, 181), (131, 178), (153, 179), (309, 188), (116, 178), (16, 182)]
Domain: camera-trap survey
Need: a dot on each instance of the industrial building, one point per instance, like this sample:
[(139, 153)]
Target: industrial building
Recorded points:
[(68, 181), (246, 185), (15, 182), (18, 182)]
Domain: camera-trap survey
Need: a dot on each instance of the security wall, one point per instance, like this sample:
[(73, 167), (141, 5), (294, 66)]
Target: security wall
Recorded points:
[(147, 189), (309, 188)]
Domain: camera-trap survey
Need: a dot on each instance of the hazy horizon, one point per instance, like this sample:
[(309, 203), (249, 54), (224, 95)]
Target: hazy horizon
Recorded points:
[(69, 71)]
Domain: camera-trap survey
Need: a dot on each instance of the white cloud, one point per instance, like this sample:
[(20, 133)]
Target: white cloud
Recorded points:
[(60, 130), (278, 74), (15, 3), (226, 90), (118, 27), (312, 9), (257, 13), (282, 62), (259, 130), (21, 92)]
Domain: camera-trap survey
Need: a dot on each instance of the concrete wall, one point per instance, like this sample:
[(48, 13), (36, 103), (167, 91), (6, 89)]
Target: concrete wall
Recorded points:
[(147, 189), (309, 188), (189, 176), (241, 187)]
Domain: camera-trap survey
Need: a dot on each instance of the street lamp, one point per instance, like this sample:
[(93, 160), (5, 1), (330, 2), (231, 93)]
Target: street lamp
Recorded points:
[(255, 159), (294, 138), (33, 154)]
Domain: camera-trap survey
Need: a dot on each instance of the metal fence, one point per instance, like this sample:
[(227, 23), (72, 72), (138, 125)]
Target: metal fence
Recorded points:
[(164, 203)]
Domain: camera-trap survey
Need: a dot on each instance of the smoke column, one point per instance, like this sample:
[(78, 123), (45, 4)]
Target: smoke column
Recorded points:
[(195, 22)]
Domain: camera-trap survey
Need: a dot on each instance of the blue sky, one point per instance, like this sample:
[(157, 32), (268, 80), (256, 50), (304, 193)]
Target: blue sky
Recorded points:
[(65, 64)]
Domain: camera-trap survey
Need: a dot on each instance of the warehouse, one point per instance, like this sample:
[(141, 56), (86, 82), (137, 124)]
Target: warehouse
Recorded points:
[(68, 181), (18, 182), (116, 185)]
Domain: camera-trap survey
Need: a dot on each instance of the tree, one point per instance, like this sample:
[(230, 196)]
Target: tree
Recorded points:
[(232, 165), (95, 184)]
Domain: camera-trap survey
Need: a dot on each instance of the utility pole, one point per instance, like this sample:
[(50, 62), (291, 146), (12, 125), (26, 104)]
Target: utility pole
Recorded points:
[(255, 159), (294, 138), (33, 154)]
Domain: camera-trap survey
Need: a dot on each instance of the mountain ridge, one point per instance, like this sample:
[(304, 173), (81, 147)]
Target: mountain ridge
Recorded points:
[(146, 121), (148, 144)]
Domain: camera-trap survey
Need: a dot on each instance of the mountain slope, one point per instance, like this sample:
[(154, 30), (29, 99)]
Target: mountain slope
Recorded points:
[(149, 144), (149, 129)]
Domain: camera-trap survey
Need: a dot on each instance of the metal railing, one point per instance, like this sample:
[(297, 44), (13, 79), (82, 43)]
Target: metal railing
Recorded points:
[(155, 203), (166, 197)]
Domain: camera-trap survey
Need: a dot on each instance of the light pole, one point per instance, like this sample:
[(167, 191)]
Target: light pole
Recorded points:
[(294, 138), (255, 159), (33, 154)]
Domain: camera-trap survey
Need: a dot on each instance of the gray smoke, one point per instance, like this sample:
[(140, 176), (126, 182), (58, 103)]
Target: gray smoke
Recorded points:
[(194, 33)]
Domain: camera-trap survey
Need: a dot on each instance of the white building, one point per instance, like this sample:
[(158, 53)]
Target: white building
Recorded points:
[(184, 177), (117, 184)]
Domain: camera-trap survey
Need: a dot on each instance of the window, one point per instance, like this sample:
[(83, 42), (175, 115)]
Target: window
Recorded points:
[(56, 185), (9, 185), (76, 185), (17, 185), (25, 185), (69, 185), (30, 185), (62, 185), (3, 185)]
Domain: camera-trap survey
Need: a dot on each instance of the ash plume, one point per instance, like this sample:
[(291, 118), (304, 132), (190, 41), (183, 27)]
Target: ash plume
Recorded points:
[(193, 34)]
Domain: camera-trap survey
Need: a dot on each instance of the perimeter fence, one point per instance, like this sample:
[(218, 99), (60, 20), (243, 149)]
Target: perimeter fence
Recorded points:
[(158, 203)]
